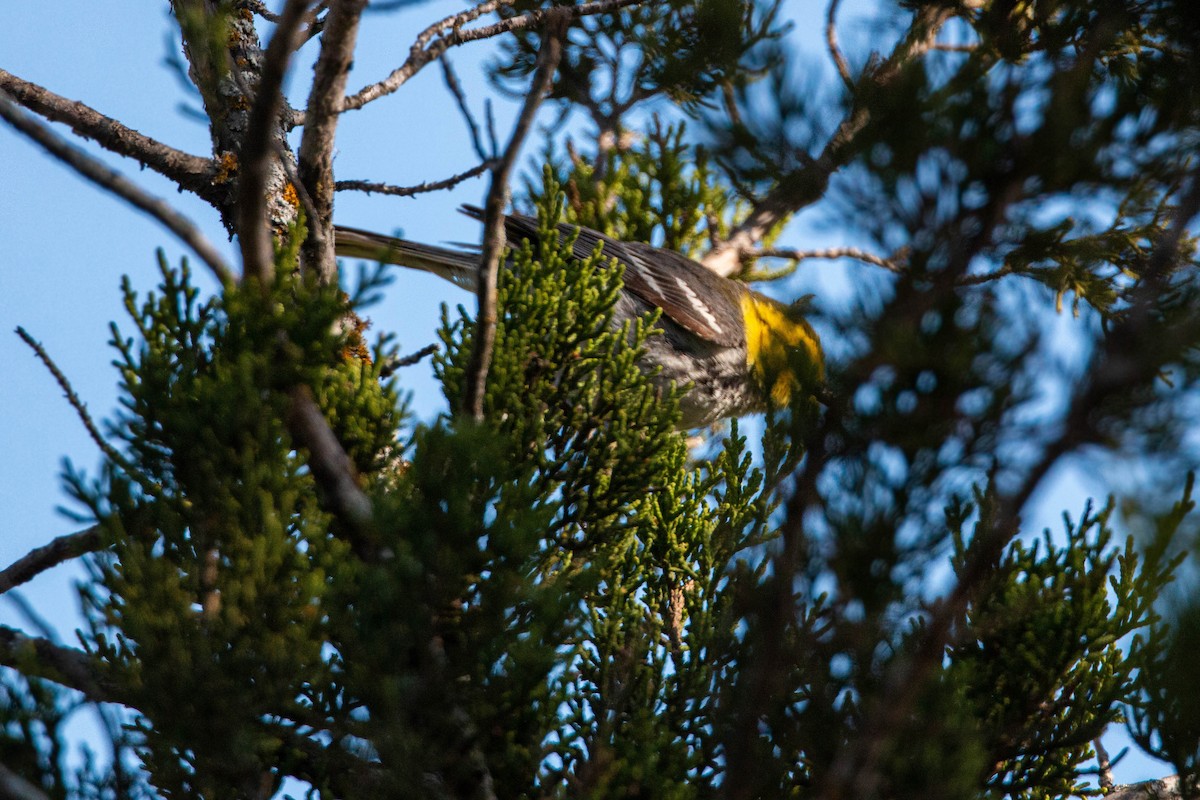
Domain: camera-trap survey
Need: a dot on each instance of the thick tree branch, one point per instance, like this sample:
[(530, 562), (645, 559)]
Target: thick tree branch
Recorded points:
[(122, 187), (420, 188), (447, 33), (40, 559), (254, 232), (807, 184), (14, 787), (316, 146), (331, 466), (193, 173), (830, 253), (493, 232), (40, 658)]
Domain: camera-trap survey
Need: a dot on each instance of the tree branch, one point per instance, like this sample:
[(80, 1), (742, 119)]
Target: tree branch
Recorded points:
[(829, 253), (40, 559), (331, 466), (62, 665), (193, 173), (114, 182), (1113, 370), (254, 233), (808, 183), (14, 787), (493, 232), (423, 51), (420, 188), (72, 398), (316, 146)]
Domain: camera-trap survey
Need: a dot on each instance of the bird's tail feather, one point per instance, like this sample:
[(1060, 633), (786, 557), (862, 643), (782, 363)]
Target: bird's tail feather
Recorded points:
[(458, 266)]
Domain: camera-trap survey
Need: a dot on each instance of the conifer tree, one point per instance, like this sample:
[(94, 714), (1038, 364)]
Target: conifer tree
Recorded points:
[(298, 587)]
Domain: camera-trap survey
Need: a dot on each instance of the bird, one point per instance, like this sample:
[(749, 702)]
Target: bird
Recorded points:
[(732, 350)]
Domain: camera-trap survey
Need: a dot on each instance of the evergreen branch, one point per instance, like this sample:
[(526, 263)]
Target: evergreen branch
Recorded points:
[(40, 559), (421, 188), (41, 658), (95, 171), (14, 787), (447, 33), (254, 233), (76, 403), (315, 154), (808, 183), (492, 253), (192, 173)]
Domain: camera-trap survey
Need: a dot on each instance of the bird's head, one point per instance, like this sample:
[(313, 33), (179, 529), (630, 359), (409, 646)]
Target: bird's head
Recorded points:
[(782, 350)]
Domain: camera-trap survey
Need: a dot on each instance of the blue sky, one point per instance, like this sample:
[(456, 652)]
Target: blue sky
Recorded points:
[(64, 244)]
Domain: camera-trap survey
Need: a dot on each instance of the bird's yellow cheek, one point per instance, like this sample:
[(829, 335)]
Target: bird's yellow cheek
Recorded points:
[(784, 354)]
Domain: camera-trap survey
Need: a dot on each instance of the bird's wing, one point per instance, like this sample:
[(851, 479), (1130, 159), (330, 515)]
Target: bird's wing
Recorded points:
[(693, 297)]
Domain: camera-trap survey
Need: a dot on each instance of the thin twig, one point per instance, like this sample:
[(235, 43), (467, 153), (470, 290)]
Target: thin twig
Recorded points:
[(408, 191), (321, 118), (192, 173), (447, 33), (556, 23), (72, 398), (390, 367), (830, 253), (460, 98), (254, 234), (839, 60), (95, 171), (48, 556)]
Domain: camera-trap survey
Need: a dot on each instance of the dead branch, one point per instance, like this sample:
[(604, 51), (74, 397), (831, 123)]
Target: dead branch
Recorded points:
[(192, 173), (497, 198), (420, 188), (40, 559), (447, 33), (316, 146), (95, 171)]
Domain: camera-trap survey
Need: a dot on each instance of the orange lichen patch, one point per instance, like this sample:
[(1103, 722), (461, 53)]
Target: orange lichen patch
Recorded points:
[(289, 195), (356, 344), (240, 103), (227, 165)]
